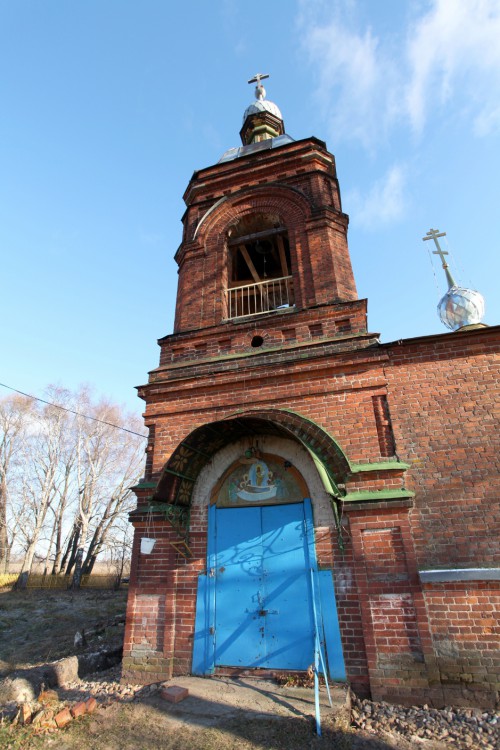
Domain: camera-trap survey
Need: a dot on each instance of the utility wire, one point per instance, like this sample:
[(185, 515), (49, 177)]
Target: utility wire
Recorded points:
[(72, 411)]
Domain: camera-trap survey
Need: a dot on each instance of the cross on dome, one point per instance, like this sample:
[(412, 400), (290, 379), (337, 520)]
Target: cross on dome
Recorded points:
[(460, 307), (433, 234), (260, 92)]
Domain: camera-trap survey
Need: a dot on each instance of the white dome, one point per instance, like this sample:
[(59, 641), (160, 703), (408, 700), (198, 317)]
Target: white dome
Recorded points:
[(461, 307), (262, 105)]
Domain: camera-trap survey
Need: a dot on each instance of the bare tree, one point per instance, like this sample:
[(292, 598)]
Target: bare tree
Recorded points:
[(119, 547), (69, 485), (42, 483), (108, 461), (14, 416)]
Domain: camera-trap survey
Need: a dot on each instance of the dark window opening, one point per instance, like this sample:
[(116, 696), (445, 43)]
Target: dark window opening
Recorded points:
[(259, 267), (258, 250)]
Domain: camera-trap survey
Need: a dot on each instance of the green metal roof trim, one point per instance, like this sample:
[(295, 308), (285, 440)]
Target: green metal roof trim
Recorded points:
[(328, 481), (176, 515), (367, 495), (380, 466), (184, 466), (144, 486), (316, 429)]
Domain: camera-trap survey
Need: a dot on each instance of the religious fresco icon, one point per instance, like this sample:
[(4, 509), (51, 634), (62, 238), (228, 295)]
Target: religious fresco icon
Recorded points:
[(257, 484), (260, 482)]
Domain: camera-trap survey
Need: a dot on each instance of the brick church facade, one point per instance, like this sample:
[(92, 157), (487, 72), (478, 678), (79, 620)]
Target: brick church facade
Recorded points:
[(303, 479)]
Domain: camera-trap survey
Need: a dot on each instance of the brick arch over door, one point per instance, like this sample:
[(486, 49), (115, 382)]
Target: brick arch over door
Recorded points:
[(181, 471)]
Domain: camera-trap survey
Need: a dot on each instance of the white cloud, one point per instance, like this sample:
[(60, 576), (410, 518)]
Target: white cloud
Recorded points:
[(353, 89), (454, 53), (383, 203), (448, 56)]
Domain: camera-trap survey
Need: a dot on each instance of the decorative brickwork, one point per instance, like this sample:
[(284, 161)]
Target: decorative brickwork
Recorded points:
[(399, 445)]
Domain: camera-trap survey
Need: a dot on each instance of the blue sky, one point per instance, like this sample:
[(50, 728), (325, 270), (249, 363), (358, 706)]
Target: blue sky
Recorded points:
[(108, 106)]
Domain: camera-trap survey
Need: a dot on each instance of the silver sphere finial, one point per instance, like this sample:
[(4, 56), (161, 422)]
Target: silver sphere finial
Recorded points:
[(460, 306)]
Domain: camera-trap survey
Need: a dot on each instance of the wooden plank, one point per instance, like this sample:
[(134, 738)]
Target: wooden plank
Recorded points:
[(255, 236), (250, 264), (281, 249)]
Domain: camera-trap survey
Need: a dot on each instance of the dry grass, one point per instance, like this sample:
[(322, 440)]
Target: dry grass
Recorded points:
[(39, 626), (141, 727)]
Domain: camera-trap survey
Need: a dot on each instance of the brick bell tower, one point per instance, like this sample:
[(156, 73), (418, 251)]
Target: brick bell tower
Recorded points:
[(270, 366)]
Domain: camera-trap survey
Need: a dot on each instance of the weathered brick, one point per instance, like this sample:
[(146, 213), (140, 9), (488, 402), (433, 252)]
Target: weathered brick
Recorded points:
[(320, 377)]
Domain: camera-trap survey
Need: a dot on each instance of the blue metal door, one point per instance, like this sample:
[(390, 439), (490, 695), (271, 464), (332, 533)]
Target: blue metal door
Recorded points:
[(239, 637), (263, 609)]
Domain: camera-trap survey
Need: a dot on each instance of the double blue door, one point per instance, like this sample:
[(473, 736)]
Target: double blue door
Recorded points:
[(262, 600), (262, 588)]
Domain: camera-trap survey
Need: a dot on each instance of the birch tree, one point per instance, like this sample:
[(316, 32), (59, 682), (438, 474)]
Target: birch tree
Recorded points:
[(65, 478), (108, 462), (42, 476), (14, 416)]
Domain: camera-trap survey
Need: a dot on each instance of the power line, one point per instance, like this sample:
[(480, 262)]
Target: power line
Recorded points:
[(72, 411)]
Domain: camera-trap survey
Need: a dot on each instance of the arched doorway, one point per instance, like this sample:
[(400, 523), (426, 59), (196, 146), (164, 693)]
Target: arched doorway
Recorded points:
[(261, 602)]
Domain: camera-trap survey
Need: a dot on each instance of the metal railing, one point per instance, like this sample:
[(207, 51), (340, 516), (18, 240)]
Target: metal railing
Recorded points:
[(257, 299)]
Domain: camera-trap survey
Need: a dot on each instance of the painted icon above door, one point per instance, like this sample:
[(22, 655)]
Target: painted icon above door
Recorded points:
[(259, 480)]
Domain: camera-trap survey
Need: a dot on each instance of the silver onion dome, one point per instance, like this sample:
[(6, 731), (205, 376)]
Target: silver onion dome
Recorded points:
[(262, 105), (263, 126), (461, 307)]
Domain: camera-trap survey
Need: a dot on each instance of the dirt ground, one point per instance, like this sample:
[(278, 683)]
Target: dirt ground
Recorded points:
[(40, 625), (223, 714), (149, 725)]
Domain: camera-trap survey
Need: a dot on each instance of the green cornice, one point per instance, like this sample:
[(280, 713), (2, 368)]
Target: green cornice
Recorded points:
[(380, 466), (376, 495)]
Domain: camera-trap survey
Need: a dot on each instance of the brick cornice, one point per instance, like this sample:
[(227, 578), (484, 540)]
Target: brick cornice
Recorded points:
[(349, 356)]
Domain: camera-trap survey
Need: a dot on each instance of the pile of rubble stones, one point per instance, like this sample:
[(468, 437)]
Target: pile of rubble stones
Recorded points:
[(460, 727), (106, 688), (48, 713)]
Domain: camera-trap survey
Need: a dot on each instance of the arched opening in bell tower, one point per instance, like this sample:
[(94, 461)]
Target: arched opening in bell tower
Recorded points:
[(259, 266)]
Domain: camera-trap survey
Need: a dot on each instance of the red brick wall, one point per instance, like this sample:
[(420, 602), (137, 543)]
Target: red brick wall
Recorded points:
[(305, 195), (432, 403), (333, 390), (395, 628), (444, 401), (464, 619), (390, 630), (162, 603)]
